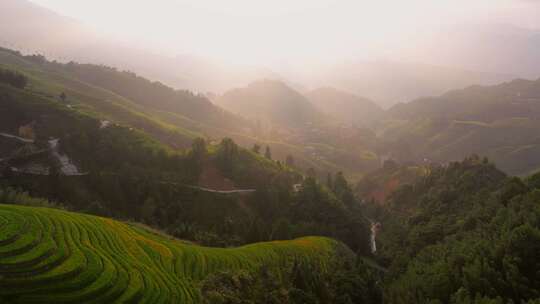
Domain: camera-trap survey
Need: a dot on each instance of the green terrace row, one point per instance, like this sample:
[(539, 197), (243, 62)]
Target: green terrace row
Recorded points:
[(49, 255)]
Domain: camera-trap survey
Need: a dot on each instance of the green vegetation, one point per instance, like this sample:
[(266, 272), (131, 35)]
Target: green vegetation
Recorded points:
[(176, 117), (293, 124), (271, 102), (377, 185), (348, 282), (499, 122), (13, 78), (51, 80), (464, 233), (23, 198), (345, 107), (152, 96), (130, 174), (460, 232), (54, 256)]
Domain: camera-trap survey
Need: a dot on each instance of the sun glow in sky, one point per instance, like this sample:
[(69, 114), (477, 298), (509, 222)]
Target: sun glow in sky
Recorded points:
[(269, 32)]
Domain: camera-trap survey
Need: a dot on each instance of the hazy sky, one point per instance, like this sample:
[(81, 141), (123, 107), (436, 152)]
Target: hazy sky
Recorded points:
[(273, 31)]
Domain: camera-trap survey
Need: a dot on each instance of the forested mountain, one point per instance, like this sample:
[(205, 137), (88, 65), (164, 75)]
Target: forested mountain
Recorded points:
[(127, 97), (495, 121), (345, 107), (88, 155), (514, 98), (271, 102), (499, 122), (176, 117), (85, 153), (376, 186), (293, 125), (474, 55), (153, 95), (464, 233)]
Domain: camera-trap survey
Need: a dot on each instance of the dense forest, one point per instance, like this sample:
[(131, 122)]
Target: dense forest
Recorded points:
[(464, 233)]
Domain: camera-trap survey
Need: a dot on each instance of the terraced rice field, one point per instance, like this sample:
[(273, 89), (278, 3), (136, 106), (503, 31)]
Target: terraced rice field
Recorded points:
[(55, 256)]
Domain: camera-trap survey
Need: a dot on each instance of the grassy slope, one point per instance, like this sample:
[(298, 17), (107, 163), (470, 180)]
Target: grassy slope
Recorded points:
[(171, 128), (53, 119), (54, 256), (96, 100), (500, 122)]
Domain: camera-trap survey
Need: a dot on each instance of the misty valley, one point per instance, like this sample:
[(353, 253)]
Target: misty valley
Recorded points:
[(131, 176)]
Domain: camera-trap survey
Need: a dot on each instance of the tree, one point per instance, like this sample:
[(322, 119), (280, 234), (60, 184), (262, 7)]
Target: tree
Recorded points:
[(96, 208), (342, 189), (196, 156), (198, 148), (227, 155), (268, 153), (281, 229)]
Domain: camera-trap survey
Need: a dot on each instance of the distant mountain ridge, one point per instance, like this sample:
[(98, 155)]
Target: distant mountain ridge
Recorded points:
[(388, 82), (23, 26), (500, 122), (271, 101), (345, 106)]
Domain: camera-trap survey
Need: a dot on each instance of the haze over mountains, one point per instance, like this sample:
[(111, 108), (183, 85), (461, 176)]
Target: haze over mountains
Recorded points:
[(388, 82), (481, 55), (344, 106), (34, 29), (500, 122), (298, 152), (271, 101)]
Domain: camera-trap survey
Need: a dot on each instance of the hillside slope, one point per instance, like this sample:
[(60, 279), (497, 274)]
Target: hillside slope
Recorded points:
[(125, 97), (176, 117), (271, 102), (500, 122), (291, 124), (463, 233), (113, 169), (388, 82), (53, 256), (345, 106)]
